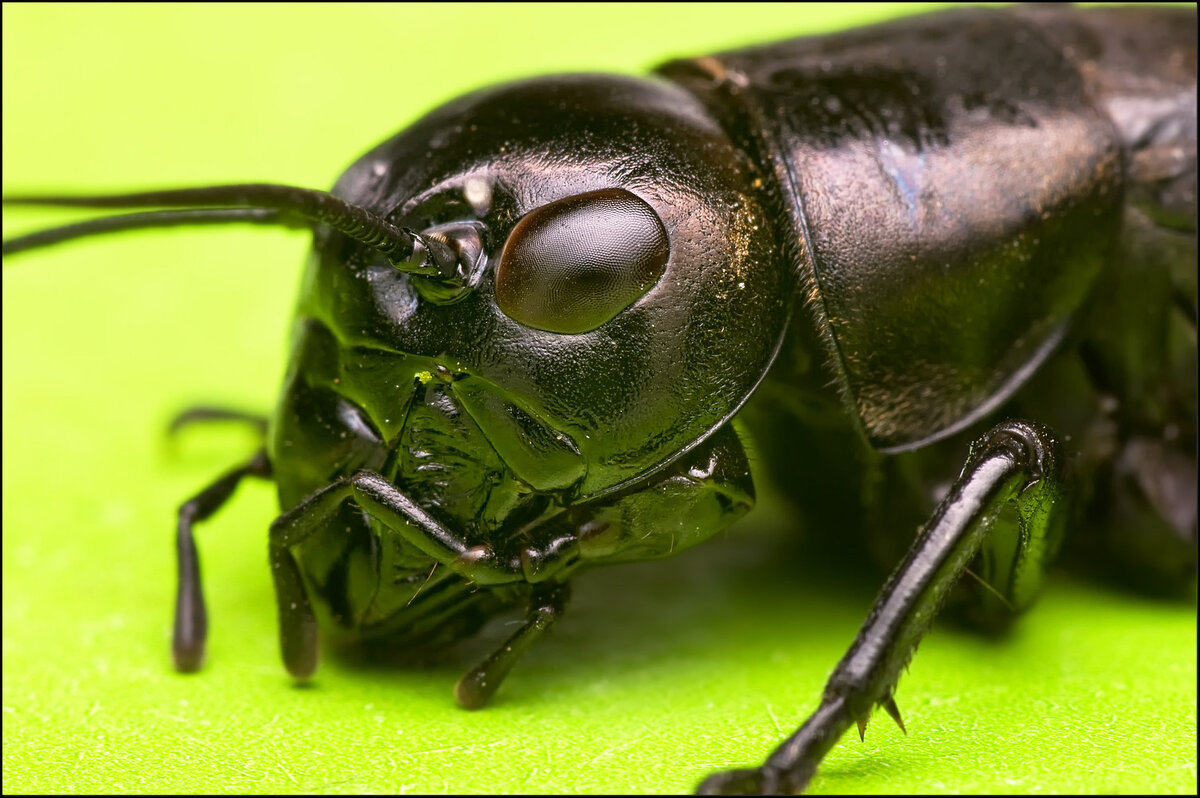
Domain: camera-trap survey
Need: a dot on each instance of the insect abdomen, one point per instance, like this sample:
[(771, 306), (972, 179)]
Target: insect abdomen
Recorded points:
[(1139, 65)]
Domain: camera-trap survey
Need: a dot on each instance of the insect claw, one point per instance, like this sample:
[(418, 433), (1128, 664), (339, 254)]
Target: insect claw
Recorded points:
[(862, 728), (889, 705)]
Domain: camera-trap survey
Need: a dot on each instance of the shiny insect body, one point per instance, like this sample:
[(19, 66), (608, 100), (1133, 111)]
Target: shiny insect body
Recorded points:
[(431, 375)]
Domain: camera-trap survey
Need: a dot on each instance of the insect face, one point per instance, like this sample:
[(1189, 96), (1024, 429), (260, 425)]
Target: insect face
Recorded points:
[(585, 344), (592, 339)]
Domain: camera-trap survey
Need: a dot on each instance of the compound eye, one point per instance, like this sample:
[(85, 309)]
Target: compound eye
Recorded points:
[(572, 265)]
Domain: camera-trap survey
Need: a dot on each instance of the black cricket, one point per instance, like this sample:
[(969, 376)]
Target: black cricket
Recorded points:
[(537, 326)]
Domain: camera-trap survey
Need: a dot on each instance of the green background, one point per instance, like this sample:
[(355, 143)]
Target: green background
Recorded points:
[(660, 672)]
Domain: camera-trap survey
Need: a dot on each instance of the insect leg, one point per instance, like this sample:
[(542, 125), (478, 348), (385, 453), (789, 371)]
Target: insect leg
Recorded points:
[(1015, 462), (385, 503), (191, 616), (479, 684), (205, 413)]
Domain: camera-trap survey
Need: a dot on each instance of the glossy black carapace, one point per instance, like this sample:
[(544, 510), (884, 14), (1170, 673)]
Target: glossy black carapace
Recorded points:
[(537, 326)]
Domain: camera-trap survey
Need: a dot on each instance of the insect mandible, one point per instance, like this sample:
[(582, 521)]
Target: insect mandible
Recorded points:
[(903, 154)]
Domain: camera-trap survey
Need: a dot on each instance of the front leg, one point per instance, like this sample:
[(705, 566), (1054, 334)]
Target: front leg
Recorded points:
[(1015, 462), (383, 502), (191, 616), (697, 496)]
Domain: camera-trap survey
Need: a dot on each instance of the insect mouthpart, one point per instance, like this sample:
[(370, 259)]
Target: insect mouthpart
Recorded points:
[(477, 460)]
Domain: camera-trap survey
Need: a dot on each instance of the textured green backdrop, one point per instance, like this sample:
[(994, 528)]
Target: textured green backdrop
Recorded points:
[(659, 674)]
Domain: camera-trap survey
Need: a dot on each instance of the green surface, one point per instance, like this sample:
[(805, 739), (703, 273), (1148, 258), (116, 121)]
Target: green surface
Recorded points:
[(660, 673)]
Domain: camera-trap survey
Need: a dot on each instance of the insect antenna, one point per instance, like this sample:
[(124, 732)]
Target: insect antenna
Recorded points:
[(254, 203), (134, 221)]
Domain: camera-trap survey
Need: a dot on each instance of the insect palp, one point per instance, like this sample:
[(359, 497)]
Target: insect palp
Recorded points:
[(480, 683)]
